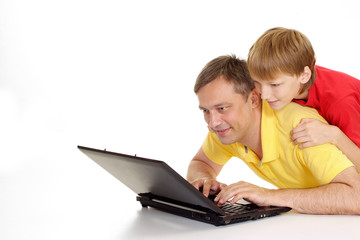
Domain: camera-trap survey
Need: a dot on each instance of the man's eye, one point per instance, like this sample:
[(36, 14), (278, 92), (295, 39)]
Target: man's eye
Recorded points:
[(222, 108)]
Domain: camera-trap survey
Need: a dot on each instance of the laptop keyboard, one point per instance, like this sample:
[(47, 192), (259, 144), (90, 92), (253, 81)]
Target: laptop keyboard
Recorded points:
[(237, 208)]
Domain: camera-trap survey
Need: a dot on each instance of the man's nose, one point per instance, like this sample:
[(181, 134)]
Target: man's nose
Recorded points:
[(214, 120)]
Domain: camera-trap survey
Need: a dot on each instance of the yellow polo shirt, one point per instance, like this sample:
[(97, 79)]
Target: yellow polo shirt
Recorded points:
[(283, 164)]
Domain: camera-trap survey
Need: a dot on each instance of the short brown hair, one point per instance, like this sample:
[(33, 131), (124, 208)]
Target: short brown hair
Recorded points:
[(232, 69), (282, 50)]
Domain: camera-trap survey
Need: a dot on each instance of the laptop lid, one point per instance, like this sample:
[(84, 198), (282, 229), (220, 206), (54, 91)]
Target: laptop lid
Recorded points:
[(143, 175)]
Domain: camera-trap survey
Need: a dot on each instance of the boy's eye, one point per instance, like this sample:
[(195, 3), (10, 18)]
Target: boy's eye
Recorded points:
[(275, 84)]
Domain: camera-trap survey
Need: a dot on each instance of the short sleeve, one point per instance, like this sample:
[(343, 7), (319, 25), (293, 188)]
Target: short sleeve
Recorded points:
[(345, 113), (216, 151), (325, 162)]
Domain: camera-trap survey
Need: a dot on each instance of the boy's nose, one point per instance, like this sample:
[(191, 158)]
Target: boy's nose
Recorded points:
[(265, 92)]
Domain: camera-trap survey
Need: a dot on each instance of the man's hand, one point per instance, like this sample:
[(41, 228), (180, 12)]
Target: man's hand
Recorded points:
[(243, 190), (208, 186), (202, 173), (340, 196), (312, 132)]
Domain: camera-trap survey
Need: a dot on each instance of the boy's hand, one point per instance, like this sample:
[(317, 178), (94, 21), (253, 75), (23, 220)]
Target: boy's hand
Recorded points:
[(312, 132)]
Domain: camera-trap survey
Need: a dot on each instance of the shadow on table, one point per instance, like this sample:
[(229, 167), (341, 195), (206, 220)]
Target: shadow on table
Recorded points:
[(151, 223)]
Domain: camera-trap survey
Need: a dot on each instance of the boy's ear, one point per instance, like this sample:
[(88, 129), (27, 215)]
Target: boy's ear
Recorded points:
[(306, 75)]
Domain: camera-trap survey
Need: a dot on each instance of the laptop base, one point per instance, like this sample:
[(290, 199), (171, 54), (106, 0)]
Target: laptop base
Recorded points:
[(148, 200)]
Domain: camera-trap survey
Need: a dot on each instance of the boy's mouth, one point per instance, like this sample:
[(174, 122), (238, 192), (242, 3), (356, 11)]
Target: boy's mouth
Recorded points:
[(273, 102)]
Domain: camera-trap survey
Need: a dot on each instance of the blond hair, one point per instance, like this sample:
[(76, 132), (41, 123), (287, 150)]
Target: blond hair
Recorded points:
[(281, 50)]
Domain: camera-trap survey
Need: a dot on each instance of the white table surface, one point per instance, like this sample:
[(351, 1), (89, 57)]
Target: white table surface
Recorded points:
[(67, 196)]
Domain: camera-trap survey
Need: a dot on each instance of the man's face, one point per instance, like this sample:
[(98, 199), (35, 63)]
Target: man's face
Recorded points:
[(225, 111)]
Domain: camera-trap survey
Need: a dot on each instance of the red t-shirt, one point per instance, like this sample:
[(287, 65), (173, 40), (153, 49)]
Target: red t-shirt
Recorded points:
[(336, 96)]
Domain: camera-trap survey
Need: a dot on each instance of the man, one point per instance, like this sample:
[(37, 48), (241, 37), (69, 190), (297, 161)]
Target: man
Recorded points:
[(316, 180)]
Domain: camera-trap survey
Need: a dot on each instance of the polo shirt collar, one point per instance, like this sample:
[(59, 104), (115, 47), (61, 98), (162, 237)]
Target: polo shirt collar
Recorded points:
[(269, 134)]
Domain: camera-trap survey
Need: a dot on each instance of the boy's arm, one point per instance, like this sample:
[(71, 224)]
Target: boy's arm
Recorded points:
[(202, 173), (312, 132), (341, 196), (348, 147)]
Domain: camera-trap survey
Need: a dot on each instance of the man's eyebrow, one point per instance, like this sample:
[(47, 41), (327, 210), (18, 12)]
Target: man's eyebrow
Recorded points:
[(216, 105)]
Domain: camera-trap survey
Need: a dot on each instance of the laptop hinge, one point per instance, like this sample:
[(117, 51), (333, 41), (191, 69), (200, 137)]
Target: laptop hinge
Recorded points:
[(145, 197), (149, 200)]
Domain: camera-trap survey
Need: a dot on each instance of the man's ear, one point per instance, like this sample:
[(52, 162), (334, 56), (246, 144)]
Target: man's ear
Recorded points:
[(255, 98), (305, 75)]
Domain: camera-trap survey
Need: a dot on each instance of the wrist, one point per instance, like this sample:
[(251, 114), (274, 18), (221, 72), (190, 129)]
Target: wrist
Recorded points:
[(279, 197), (336, 135)]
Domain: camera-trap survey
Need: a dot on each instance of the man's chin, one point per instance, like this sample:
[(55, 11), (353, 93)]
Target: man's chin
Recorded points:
[(226, 141)]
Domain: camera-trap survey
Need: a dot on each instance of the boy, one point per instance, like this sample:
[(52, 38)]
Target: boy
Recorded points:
[(282, 64)]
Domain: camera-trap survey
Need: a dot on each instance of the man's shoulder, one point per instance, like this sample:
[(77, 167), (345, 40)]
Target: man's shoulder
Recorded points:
[(294, 112), (293, 107), (220, 153)]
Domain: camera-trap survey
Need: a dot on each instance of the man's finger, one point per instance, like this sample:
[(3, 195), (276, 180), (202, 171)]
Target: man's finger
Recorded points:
[(206, 188)]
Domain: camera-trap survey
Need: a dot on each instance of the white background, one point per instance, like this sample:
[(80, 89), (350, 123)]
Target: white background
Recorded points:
[(119, 75)]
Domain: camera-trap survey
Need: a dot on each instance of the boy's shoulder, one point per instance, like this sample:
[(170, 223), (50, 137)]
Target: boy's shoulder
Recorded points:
[(324, 76)]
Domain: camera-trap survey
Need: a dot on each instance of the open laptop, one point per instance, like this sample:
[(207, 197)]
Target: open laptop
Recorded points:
[(157, 185)]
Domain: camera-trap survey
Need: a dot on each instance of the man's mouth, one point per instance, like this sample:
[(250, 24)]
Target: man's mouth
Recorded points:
[(222, 132)]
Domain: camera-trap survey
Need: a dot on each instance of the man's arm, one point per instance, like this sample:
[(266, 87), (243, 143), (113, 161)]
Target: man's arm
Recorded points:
[(202, 173), (341, 196)]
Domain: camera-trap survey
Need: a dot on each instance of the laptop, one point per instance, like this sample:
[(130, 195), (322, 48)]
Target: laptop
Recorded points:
[(157, 185)]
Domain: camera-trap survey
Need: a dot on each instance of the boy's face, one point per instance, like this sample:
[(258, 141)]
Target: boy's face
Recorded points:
[(226, 112), (281, 90)]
